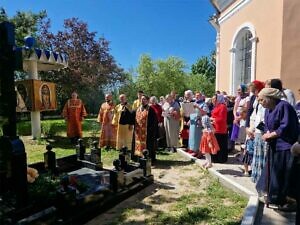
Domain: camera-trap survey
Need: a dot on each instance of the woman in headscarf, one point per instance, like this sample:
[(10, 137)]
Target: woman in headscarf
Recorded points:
[(241, 104), (281, 132), (219, 121), (287, 94), (171, 116), (255, 130)]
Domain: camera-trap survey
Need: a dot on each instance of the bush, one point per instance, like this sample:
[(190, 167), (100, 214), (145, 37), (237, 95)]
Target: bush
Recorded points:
[(57, 127), (24, 128)]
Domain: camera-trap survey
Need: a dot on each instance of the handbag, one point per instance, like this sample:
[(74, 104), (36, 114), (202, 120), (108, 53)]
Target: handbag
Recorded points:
[(261, 126)]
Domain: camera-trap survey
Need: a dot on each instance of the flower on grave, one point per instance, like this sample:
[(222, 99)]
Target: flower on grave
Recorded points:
[(32, 174)]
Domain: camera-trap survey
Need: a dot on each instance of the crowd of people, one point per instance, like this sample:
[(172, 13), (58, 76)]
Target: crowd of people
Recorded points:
[(263, 119)]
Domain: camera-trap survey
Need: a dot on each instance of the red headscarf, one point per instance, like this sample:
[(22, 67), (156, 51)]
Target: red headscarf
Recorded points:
[(258, 85)]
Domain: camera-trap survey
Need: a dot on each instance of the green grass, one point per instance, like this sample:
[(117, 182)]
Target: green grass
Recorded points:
[(210, 203), (216, 205), (54, 132)]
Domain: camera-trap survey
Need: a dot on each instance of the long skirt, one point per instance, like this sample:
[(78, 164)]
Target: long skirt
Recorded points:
[(222, 155), (259, 157), (195, 133), (275, 177), (172, 131)]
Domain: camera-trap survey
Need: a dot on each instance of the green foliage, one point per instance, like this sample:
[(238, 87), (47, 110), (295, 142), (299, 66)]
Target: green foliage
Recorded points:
[(24, 128), (61, 144), (128, 87), (160, 77), (90, 64), (46, 127), (26, 23), (206, 66), (43, 189), (199, 82), (56, 127)]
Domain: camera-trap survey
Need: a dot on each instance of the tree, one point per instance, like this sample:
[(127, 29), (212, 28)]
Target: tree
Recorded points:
[(90, 65), (206, 66), (171, 76), (199, 82), (203, 75), (160, 77), (128, 87), (26, 23)]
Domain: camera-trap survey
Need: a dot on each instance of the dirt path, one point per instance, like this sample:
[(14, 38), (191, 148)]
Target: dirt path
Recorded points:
[(176, 180)]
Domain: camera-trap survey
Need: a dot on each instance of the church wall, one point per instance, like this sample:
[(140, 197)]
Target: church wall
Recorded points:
[(266, 17), (290, 64)]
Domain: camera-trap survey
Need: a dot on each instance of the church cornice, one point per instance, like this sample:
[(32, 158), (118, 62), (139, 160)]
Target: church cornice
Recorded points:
[(221, 5), (228, 8)]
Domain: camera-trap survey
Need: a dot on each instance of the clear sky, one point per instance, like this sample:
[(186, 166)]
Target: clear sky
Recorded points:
[(160, 28)]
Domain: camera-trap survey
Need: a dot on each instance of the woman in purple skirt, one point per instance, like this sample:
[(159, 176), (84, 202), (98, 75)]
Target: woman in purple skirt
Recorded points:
[(281, 132)]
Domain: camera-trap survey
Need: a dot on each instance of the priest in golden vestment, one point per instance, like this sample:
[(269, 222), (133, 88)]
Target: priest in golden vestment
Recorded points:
[(138, 102), (108, 130), (123, 120), (146, 130)]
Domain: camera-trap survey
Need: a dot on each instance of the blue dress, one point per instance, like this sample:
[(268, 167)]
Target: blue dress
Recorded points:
[(195, 132)]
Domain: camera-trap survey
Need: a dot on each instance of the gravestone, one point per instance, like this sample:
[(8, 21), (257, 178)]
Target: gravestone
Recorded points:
[(80, 149), (50, 159)]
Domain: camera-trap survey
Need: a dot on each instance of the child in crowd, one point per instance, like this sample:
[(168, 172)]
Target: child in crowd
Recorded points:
[(208, 144), (184, 135), (248, 155)]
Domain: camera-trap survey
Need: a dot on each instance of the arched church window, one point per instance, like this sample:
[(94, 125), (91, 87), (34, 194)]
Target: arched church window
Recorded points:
[(244, 48), (243, 56)]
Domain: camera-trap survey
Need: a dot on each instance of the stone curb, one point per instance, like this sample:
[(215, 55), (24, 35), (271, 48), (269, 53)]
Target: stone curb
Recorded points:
[(253, 202)]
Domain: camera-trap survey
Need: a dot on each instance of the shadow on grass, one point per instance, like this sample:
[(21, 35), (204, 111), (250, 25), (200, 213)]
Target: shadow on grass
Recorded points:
[(65, 142), (162, 152), (185, 216), (167, 164), (128, 208)]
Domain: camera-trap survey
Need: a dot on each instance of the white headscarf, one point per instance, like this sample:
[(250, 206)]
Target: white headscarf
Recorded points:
[(270, 92)]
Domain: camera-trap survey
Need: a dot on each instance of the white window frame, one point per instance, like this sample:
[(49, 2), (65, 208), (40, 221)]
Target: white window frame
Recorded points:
[(233, 52)]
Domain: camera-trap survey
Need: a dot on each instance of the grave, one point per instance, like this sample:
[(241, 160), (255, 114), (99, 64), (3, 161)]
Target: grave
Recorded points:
[(69, 190)]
